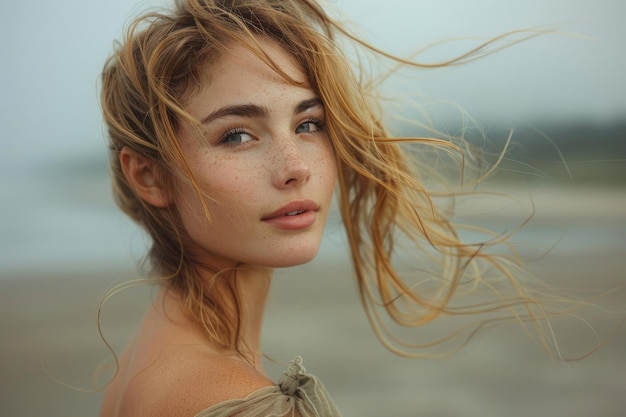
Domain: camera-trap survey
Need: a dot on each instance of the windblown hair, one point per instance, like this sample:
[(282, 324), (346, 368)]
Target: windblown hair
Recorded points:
[(382, 194)]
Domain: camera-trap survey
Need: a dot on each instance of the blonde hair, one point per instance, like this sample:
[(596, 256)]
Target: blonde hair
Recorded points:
[(382, 194)]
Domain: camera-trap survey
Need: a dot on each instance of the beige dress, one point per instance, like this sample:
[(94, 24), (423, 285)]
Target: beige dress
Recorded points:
[(298, 394)]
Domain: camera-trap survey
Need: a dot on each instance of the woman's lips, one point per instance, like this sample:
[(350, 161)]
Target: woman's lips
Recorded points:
[(295, 215)]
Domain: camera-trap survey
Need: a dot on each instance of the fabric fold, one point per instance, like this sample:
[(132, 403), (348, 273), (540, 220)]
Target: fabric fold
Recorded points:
[(298, 394)]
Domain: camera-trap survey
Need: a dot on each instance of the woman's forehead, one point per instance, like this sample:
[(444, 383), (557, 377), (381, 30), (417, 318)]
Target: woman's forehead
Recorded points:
[(239, 73), (260, 54)]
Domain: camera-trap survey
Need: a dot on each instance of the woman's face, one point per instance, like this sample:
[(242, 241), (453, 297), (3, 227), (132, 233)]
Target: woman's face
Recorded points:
[(263, 159)]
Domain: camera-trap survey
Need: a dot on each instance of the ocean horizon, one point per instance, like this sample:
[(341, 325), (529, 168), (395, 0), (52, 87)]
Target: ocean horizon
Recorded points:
[(65, 218)]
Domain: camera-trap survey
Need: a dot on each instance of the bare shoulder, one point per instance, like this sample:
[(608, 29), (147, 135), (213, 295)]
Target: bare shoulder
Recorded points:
[(183, 382)]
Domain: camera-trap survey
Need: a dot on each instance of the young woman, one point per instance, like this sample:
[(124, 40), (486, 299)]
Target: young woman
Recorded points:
[(232, 123)]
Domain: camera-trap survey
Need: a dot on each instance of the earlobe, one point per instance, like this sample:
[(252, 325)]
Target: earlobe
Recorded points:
[(142, 176)]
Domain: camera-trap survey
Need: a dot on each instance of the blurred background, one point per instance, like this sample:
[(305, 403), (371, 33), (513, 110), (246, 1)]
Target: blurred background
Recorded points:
[(63, 242)]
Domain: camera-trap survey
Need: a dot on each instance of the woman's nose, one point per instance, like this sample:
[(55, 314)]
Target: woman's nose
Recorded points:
[(290, 167)]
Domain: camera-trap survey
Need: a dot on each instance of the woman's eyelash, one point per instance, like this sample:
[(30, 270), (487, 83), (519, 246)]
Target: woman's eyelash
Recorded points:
[(231, 135), (319, 123)]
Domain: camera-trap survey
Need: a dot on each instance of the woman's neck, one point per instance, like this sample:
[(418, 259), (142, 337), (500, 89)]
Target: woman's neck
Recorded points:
[(253, 285)]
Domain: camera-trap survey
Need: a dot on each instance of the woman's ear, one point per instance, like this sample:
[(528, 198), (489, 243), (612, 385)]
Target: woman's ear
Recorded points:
[(142, 176)]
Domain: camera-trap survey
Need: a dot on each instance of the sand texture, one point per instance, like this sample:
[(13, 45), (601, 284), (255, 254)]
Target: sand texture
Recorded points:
[(48, 326)]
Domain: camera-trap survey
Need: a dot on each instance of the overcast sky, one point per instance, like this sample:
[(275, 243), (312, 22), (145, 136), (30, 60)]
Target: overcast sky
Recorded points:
[(53, 51)]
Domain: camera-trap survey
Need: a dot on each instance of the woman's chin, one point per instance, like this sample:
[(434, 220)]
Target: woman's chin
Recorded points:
[(300, 257)]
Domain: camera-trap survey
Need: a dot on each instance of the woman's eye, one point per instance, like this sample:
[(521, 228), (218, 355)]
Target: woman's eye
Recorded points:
[(236, 137), (310, 126)]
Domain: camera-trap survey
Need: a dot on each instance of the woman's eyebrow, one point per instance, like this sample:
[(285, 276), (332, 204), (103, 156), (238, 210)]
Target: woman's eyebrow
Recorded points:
[(256, 111), (243, 110), (307, 104)]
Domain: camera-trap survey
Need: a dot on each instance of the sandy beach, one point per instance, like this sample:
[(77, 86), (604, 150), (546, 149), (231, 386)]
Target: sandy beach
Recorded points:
[(48, 327)]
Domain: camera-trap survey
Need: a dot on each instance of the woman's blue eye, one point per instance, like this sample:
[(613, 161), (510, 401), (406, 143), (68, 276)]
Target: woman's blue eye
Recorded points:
[(309, 127), (236, 137)]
